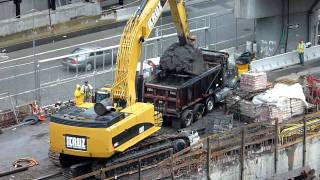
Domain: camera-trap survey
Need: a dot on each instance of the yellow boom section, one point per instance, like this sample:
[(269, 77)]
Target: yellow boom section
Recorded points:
[(137, 29)]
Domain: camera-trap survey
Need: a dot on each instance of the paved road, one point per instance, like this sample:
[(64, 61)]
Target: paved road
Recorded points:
[(19, 79)]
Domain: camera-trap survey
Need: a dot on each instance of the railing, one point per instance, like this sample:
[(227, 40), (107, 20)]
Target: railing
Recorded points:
[(49, 81), (228, 155)]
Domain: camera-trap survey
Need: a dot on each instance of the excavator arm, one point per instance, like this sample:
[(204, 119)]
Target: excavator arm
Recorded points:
[(137, 30)]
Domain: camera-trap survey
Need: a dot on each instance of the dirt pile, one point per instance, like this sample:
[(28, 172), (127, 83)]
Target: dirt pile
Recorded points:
[(182, 60)]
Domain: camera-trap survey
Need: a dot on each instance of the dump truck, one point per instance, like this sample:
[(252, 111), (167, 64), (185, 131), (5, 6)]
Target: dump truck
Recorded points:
[(183, 99)]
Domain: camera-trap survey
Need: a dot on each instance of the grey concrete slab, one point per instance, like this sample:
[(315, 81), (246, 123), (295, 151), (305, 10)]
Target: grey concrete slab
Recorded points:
[(28, 141)]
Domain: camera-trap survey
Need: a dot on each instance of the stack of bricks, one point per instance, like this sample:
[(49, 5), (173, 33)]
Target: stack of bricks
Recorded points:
[(253, 82), (288, 109), (270, 112), (291, 107), (248, 109), (232, 103), (7, 119)]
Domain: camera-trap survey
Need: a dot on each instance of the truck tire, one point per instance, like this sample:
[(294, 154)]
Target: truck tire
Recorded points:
[(179, 145), (209, 104), (198, 111), (186, 118)]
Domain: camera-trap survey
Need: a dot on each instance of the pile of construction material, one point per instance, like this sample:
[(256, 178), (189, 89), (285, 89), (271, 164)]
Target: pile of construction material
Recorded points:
[(218, 122), (251, 84), (253, 102), (233, 103), (291, 107), (11, 117), (279, 104), (253, 81), (270, 112), (248, 109)]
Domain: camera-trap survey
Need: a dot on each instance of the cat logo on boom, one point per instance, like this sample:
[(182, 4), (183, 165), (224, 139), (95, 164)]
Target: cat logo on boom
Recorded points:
[(155, 16)]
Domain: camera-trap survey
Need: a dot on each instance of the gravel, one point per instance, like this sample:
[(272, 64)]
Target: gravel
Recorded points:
[(182, 60)]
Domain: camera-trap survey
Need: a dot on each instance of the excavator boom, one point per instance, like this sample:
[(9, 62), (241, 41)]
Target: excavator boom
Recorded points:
[(137, 29)]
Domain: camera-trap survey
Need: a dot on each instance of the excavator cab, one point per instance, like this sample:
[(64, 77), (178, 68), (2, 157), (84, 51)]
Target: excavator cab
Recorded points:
[(101, 94)]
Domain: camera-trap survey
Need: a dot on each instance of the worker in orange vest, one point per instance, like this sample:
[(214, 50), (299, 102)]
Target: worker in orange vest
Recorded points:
[(300, 50), (78, 95)]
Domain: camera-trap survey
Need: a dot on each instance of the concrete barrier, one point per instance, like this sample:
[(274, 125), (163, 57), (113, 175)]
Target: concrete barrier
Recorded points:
[(42, 18), (14, 31), (284, 60), (125, 14)]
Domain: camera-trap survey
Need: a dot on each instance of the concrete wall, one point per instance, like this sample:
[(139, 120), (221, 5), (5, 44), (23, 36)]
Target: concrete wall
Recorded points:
[(268, 42), (271, 23), (251, 9), (41, 19), (107, 3), (271, 33), (8, 9), (314, 27), (261, 166)]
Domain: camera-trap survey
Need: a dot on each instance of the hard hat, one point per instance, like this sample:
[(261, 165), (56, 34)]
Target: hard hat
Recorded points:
[(78, 86)]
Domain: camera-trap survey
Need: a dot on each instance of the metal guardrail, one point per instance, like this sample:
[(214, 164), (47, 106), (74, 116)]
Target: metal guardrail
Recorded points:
[(161, 29), (49, 82)]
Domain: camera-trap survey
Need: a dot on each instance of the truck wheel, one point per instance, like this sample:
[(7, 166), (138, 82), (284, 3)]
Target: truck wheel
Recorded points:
[(179, 145), (209, 104), (187, 117), (198, 111)]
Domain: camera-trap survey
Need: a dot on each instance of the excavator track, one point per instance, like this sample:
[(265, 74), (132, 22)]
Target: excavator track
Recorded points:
[(158, 147)]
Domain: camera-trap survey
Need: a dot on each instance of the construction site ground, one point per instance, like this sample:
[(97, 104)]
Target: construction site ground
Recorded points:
[(32, 140)]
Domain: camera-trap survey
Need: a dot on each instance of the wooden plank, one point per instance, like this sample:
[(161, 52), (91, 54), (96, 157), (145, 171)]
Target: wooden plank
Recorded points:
[(192, 153), (188, 163)]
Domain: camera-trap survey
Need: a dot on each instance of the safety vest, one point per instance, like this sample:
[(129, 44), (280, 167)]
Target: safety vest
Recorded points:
[(300, 48), (87, 90)]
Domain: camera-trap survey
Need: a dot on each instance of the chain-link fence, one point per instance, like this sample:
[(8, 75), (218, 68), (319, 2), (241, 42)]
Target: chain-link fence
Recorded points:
[(51, 76)]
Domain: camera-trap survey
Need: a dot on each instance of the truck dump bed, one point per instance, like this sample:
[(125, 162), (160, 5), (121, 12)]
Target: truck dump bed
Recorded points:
[(176, 92)]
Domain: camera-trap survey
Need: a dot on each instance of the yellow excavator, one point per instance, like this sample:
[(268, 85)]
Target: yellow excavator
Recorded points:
[(124, 121)]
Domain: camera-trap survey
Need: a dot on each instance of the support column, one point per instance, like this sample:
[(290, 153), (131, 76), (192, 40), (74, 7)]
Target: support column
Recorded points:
[(304, 150), (276, 138), (208, 158), (242, 153)]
